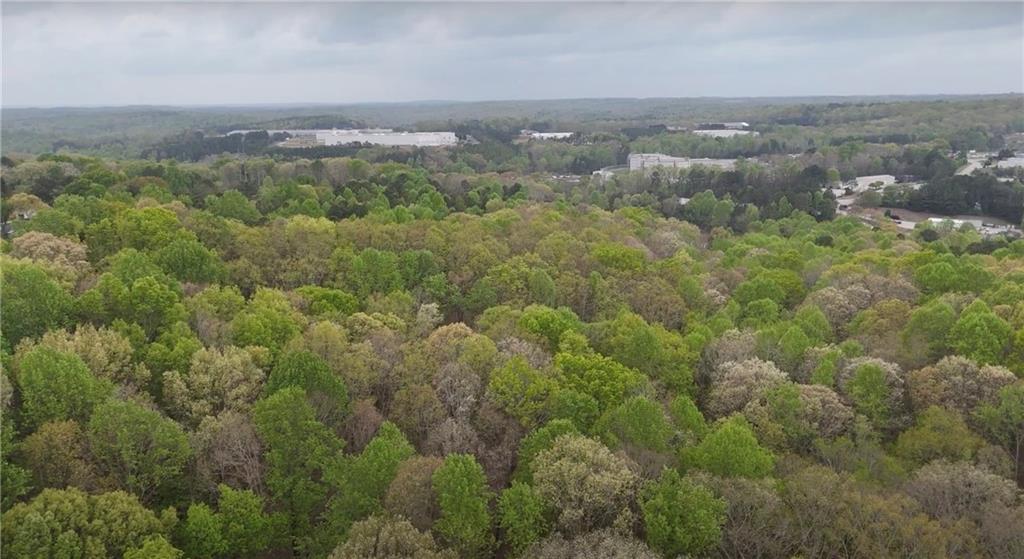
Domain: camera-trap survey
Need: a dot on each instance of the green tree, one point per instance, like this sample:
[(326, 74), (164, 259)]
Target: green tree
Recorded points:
[(375, 271), (730, 450), (792, 346), (651, 349), (537, 441), (233, 205), (188, 260), (152, 305), (139, 449), (521, 390), (681, 518), (542, 288), (32, 303), (268, 321), (522, 515), (155, 547), (361, 481), (701, 208), (927, 330), (938, 277), (549, 323), (71, 523), (980, 335), (1004, 422), (55, 386), (606, 380), (758, 288), (688, 417), (938, 434), (869, 391), (298, 450), (637, 421), (326, 391), (14, 479), (201, 533), (462, 492), (246, 529)]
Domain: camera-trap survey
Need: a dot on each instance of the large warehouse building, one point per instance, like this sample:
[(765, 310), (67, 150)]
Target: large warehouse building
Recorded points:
[(385, 137), (643, 161)]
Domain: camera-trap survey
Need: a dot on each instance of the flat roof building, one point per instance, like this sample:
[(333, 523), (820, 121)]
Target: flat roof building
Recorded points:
[(643, 161), (1011, 162), (723, 125), (385, 137), (724, 132), (305, 137), (534, 135)]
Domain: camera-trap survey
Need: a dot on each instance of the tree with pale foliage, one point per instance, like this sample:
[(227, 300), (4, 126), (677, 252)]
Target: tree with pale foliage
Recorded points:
[(734, 384), (587, 485), (382, 537), (57, 455), (600, 544), (217, 380), (957, 383), (108, 353), (228, 451), (71, 523), (411, 493)]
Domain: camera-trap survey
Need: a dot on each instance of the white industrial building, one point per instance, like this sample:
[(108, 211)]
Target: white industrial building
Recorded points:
[(376, 136), (724, 125), (385, 137), (534, 135), (724, 133), (1010, 162), (642, 161)]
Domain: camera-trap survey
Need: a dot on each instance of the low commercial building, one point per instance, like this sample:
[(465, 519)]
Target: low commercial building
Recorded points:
[(1010, 162), (534, 135), (723, 126), (724, 133), (985, 228), (309, 137), (976, 223), (648, 161), (385, 137)]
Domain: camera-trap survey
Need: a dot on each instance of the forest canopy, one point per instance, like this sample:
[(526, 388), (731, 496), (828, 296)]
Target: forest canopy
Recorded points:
[(354, 356)]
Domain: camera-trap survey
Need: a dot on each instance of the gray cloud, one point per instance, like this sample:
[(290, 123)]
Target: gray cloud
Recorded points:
[(159, 53)]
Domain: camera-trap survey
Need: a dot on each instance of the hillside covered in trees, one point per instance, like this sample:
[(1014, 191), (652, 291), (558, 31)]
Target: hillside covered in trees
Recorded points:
[(360, 357)]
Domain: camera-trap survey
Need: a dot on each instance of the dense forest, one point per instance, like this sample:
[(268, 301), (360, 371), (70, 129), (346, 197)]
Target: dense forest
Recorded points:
[(786, 124), (352, 357)]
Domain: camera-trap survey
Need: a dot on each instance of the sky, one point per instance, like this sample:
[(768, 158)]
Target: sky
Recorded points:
[(88, 54)]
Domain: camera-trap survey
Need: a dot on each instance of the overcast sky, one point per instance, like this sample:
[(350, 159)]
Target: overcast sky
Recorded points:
[(245, 53)]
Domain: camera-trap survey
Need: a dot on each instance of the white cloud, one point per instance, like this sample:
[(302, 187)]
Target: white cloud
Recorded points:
[(156, 53)]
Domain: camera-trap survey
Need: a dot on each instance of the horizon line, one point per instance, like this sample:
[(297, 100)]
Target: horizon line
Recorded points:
[(297, 104)]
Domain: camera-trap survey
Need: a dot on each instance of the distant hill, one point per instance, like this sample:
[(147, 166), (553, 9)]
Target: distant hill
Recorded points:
[(129, 131)]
